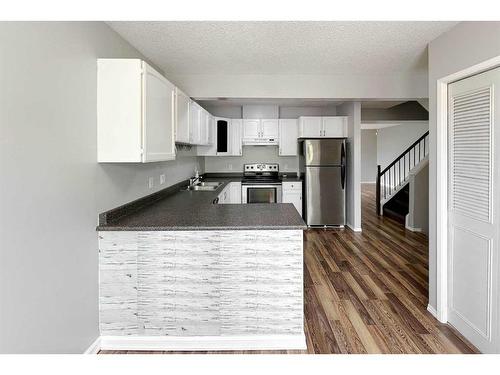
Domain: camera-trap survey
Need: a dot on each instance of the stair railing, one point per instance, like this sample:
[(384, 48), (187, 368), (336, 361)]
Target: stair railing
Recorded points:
[(396, 173)]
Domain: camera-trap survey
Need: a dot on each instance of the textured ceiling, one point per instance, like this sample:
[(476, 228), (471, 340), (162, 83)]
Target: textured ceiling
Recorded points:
[(283, 47)]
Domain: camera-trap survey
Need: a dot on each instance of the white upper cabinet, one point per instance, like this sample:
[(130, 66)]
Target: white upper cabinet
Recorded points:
[(199, 120), (270, 128), (211, 130), (334, 126), (260, 131), (211, 148), (310, 127), (235, 135), (194, 123), (251, 129), (204, 127), (135, 113), (323, 127), (182, 114), (288, 134)]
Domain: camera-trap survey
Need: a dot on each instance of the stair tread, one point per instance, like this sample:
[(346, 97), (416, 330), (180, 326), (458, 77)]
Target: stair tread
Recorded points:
[(395, 215)]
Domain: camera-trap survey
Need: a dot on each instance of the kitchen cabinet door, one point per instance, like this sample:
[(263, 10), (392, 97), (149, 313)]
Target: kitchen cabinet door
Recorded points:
[(295, 197), (182, 114), (251, 129), (224, 196), (158, 117), (135, 113), (269, 128), (194, 123), (211, 148), (235, 192), (334, 126), (235, 136), (211, 129), (288, 134), (204, 119), (310, 127)]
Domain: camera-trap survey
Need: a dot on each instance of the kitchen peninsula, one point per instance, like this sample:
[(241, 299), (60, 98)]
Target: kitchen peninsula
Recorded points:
[(182, 273)]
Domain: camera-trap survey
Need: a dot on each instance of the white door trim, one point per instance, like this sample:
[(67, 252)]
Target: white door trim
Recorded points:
[(442, 179)]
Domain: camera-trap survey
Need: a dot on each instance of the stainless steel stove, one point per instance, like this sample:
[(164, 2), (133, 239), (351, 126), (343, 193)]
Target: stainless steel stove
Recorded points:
[(261, 183)]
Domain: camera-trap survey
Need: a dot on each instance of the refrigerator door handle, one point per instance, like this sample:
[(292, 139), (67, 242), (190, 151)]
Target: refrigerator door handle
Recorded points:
[(342, 168)]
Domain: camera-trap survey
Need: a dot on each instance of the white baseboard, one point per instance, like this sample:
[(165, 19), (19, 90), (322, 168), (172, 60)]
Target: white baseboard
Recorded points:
[(195, 343), (369, 182), (355, 229), (94, 347), (433, 311), (413, 229)]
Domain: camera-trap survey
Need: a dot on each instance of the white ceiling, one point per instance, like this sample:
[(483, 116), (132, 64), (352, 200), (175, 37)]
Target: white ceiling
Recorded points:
[(385, 104), (387, 124), (283, 47)]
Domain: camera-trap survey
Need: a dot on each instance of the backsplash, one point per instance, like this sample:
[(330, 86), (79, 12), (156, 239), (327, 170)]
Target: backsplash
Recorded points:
[(251, 154)]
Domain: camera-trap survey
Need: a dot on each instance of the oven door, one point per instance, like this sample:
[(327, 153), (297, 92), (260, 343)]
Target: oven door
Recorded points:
[(269, 193)]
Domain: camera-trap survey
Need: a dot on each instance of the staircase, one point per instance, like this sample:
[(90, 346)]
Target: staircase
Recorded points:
[(398, 207), (392, 182)]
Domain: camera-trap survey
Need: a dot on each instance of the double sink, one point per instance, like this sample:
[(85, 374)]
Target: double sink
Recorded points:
[(204, 186)]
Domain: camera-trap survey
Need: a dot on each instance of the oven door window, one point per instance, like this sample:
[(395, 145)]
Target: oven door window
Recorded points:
[(261, 195)]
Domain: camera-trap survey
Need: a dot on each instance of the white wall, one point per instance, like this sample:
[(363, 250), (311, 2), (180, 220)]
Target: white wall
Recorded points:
[(260, 111), (392, 141), (395, 86), (52, 188), (368, 155), (353, 173), (419, 199), (296, 112), (467, 44)]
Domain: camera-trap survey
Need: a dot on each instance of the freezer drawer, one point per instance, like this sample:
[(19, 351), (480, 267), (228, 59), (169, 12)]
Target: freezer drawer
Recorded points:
[(325, 196), (324, 151)]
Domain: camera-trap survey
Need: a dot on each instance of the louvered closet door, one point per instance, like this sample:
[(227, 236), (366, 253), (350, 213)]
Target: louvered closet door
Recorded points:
[(473, 208)]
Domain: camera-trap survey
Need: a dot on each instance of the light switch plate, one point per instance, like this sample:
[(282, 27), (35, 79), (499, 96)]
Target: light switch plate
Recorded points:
[(162, 179), (151, 182)]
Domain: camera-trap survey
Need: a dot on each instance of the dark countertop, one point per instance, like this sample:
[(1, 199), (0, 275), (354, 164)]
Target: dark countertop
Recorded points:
[(194, 210)]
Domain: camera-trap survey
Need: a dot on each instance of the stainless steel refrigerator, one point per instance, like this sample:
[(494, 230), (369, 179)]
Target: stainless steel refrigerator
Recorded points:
[(325, 164)]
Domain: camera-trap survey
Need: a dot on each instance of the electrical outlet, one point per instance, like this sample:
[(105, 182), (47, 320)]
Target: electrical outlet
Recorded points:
[(151, 182), (162, 179)]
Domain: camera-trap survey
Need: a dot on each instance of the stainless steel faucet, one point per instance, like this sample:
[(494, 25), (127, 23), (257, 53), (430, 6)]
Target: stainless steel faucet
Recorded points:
[(193, 180)]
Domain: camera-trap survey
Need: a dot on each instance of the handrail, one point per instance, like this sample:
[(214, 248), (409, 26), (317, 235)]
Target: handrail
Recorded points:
[(405, 152), (394, 177)]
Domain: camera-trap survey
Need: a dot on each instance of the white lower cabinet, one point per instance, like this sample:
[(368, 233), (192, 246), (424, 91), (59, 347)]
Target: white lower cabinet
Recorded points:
[(292, 193), (235, 192), (231, 194)]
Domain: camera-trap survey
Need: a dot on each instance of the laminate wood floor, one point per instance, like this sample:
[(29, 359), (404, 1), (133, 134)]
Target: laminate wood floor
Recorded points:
[(367, 292)]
